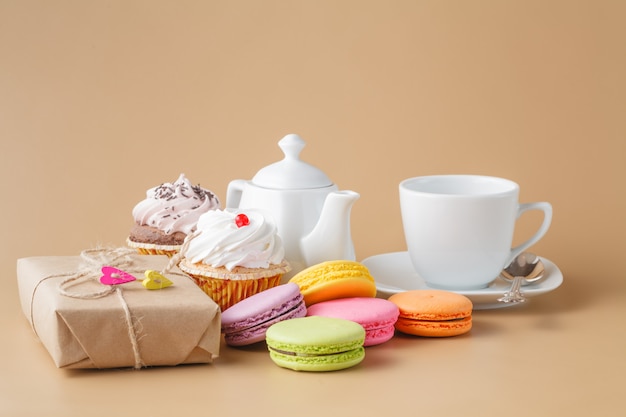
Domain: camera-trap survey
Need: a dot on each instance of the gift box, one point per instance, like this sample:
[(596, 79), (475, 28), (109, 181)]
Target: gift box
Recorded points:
[(84, 323)]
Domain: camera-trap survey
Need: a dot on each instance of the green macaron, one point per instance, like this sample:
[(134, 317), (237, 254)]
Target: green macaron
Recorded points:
[(316, 343)]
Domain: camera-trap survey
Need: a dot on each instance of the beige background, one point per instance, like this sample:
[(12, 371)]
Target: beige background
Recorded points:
[(100, 100)]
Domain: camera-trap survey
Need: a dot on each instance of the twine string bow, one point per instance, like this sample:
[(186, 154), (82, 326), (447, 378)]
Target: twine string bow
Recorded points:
[(94, 260)]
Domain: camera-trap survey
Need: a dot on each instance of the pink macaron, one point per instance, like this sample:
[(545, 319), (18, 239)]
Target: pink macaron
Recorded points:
[(247, 321), (377, 316)]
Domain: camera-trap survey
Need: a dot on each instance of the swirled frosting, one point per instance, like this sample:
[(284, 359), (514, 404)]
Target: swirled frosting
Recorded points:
[(225, 241), (175, 207)]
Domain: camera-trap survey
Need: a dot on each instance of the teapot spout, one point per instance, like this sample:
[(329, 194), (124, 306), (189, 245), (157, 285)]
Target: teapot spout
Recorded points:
[(331, 239)]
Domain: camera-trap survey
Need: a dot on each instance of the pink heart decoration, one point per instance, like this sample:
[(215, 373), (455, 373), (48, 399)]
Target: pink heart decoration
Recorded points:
[(114, 276)]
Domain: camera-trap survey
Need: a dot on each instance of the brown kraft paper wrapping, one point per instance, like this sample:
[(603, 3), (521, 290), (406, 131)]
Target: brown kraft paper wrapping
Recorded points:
[(170, 326)]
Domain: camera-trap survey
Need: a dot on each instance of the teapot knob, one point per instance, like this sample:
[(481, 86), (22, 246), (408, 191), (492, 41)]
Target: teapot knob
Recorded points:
[(291, 145), (291, 173)]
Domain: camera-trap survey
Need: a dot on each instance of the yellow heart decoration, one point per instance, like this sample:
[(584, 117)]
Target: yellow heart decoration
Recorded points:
[(155, 281)]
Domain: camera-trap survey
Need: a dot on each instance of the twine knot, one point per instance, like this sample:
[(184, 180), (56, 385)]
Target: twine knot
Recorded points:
[(94, 260)]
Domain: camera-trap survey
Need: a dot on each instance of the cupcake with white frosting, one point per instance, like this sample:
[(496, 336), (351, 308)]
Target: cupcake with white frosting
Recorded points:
[(167, 215), (234, 254)]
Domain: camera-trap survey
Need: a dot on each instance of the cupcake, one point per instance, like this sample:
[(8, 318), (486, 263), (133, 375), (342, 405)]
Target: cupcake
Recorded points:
[(234, 254), (167, 215)]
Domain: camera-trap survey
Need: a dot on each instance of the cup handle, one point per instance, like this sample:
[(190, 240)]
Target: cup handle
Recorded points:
[(547, 219)]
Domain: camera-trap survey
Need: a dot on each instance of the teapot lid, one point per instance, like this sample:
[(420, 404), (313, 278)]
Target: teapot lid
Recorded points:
[(291, 173)]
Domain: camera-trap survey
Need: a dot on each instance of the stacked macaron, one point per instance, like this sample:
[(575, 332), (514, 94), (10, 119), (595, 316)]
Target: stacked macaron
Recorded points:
[(300, 343), (342, 318), (325, 316), (346, 290), (325, 341)]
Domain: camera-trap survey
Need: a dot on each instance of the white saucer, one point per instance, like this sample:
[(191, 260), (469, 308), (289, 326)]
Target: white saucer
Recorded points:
[(394, 273)]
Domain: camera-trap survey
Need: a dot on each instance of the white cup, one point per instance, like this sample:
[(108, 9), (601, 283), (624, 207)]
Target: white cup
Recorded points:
[(459, 228)]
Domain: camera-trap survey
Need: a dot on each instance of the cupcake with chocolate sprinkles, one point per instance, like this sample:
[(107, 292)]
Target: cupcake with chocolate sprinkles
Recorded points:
[(167, 215)]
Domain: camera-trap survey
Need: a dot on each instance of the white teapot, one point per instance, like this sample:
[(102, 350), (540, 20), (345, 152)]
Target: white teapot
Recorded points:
[(312, 216)]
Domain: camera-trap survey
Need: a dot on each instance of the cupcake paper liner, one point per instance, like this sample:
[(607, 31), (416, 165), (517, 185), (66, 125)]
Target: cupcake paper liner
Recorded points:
[(153, 249), (227, 288)]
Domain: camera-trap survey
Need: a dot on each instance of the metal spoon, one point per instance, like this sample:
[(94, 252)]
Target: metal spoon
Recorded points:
[(526, 267)]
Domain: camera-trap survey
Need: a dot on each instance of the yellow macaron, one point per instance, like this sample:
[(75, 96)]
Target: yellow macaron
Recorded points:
[(334, 279)]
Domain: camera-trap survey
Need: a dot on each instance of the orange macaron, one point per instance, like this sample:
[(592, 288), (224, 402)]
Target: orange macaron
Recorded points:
[(433, 313)]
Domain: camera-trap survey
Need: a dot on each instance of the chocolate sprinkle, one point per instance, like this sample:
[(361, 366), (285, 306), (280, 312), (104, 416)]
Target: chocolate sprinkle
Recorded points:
[(168, 192)]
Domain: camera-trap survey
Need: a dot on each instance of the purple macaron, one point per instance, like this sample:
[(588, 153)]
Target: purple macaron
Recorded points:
[(247, 321)]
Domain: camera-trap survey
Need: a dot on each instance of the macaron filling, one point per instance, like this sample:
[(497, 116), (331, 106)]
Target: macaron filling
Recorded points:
[(379, 334), (290, 306), (317, 362), (312, 355), (433, 328), (313, 350)]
